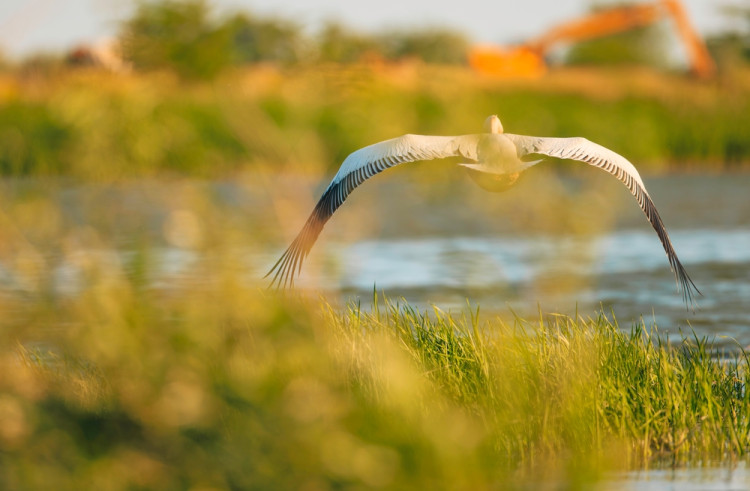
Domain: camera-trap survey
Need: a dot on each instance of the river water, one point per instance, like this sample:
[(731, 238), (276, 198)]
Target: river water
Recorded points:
[(683, 479), (527, 264), (554, 243)]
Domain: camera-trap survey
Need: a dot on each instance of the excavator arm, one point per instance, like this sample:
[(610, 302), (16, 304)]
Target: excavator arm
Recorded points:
[(599, 24), (701, 63), (528, 60)]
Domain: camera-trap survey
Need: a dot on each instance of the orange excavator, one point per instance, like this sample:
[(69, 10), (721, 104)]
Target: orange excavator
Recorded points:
[(528, 60)]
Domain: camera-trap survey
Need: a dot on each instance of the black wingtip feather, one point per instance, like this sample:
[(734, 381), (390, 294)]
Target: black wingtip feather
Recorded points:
[(686, 285), (289, 264), (684, 282)]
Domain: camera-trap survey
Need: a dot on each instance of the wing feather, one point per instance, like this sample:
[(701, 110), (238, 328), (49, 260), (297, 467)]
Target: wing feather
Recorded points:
[(591, 153), (356, 169)]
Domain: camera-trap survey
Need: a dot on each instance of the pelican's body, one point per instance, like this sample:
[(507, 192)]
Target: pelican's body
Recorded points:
[(496, 160), (498, 165)]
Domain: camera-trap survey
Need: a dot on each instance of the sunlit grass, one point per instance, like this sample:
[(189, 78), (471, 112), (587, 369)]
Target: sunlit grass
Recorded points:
[(219, 384), (96, 125)]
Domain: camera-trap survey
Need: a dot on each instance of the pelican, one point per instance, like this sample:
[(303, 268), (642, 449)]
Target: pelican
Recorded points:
[(495, 161)]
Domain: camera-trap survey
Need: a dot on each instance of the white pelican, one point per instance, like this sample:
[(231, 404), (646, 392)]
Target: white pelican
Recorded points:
[(496, 161)]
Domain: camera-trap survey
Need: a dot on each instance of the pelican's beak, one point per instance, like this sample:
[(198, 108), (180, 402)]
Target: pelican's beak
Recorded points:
[(477, 167)]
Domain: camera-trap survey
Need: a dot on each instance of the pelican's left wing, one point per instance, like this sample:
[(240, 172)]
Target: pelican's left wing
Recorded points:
[(591, 153), (356, 169)]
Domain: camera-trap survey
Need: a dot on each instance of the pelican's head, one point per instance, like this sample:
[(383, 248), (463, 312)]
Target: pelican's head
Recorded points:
[(493, 125)]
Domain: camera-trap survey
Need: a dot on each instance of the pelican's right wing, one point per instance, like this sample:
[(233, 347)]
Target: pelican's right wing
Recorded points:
[(356, 169), (591, 153)]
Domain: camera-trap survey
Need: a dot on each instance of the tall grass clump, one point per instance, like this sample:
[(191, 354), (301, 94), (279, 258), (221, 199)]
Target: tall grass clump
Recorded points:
[(220, 385), (561, 385)]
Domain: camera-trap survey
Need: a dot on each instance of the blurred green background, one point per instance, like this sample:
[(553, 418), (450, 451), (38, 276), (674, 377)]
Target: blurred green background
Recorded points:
[(195, 93)]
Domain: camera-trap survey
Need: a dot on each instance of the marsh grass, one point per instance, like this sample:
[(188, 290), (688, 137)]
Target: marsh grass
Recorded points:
[(572, 385), (226, 386), (94, 125)]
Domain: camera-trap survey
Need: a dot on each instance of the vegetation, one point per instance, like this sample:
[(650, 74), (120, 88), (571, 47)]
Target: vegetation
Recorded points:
[(185, 37), (643, 46), (182, 34), (124, 366), (83, 123), (176, 35), (732, 48), (229, 387), (255, 40), (140, 349), (212, 95)]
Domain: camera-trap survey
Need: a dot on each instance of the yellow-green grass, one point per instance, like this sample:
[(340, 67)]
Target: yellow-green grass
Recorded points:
[(219, 385), (91, 124)]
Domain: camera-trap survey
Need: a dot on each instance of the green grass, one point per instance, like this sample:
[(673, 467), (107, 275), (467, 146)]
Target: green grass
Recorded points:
[(227, 387), (95, 125)]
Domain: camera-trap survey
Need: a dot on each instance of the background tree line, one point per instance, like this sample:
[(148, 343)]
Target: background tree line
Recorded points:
[(187, 37)]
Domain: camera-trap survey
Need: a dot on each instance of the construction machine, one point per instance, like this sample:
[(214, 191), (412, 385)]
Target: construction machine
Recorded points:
[(528, 59)]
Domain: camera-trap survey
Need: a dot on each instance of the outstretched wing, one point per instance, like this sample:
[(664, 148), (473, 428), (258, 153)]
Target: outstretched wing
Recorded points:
[(586, 151), (356, 169)]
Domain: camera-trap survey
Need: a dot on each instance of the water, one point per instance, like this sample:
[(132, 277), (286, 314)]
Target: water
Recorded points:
[(553, 243), (624, 272), (683, 479), (621, 269)]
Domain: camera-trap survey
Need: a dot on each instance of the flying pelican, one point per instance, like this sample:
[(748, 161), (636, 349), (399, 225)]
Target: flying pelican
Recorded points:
[(496, 161)]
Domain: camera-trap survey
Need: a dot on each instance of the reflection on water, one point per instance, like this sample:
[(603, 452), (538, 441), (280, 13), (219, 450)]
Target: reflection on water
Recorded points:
[(684, 479)]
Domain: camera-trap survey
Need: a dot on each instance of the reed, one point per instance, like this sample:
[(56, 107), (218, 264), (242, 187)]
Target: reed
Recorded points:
[(93, 125), (225, 386)]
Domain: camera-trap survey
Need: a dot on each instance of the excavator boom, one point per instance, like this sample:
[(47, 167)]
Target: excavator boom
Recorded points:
[(702, 65), (599, 24), (528, 60)]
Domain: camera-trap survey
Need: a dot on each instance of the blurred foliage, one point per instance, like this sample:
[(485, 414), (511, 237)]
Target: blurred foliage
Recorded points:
[(184, 36), (40, 65), (429, 45), (22, 128), (338, 44), (729, 49), (5, 64), (178, 35), (256, 40), (128, 380), (91, 124), (263, 95), (157, 364), (732, 47), (642, 46)]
